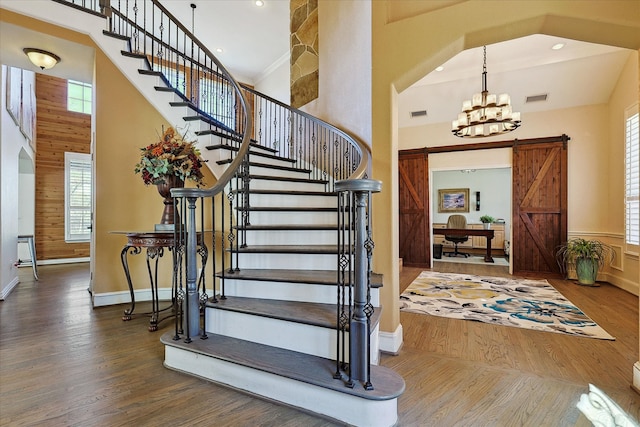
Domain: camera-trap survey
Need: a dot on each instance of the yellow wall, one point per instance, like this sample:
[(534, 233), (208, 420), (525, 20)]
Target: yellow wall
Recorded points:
[(123, 202), (124, 122), (405, 50)]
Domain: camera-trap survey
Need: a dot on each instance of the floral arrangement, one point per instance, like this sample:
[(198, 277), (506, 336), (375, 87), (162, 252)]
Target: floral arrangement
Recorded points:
[(172, 155)]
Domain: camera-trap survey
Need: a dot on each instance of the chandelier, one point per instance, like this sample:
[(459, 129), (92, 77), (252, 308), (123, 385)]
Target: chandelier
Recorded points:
[(486, 114)]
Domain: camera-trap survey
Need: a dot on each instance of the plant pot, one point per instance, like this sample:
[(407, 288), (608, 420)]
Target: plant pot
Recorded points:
[(586, 271), (169, 216), (437, 250), (486, 225)]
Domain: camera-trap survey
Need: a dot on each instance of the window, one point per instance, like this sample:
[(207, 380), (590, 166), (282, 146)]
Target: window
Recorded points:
[(632, 177), (77, 197), (79, 97), (217, 99)]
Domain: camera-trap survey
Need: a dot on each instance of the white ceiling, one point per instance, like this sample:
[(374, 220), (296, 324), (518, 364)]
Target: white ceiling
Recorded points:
[(253, 38), (578, 74), (256, 39)]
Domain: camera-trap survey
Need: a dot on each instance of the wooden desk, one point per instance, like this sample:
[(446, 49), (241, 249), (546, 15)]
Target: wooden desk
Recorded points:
[(469, 232), (154, 242)]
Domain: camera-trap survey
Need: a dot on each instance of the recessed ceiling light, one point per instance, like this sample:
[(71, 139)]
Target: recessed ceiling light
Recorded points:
[(440, 68), (557, 46), (219, 50), (259, 3)]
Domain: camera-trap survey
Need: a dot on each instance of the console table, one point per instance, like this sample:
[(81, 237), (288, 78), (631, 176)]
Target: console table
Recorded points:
[(155, 243), (469, 232)]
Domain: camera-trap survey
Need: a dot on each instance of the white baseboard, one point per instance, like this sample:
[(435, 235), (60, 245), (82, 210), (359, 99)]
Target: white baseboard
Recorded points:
[(124, 297), (391, 342), (627, 285), (7, 289), (54, 261), (636, 376)]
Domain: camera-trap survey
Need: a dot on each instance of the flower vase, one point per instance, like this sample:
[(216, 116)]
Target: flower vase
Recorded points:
[(169, 215)]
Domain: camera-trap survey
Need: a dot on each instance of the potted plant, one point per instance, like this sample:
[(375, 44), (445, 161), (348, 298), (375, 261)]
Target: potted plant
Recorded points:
[(584, 256), (486, 220)]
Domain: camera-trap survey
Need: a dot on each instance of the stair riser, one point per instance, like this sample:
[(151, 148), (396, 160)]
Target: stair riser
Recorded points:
[(213, 156), (265, 184), (291, 237), (274, 332), (308, 339), (288, 261), (290, 200), (226, 153), (342, 407), (264, 170), (270, 161), (290, 218), (324, 294), (185, 111)]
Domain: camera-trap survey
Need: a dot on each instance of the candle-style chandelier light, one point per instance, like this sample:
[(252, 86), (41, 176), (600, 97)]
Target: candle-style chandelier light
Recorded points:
[(485, 114)]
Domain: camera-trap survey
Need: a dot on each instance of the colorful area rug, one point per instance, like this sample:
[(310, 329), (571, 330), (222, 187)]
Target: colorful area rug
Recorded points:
[(529, 304)]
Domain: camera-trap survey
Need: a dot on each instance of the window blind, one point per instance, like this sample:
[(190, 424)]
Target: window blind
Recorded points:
[(632, 179), (78, 197)]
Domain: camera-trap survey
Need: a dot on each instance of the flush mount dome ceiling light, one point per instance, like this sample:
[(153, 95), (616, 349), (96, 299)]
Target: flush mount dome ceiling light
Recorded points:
[(485, 114), (41, 58)]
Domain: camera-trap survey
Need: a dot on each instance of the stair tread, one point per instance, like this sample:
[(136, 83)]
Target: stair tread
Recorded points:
[(316, 277), (115, 35), (307, 313), (165, 89), (151, 73), (133, 54), (291, 364)]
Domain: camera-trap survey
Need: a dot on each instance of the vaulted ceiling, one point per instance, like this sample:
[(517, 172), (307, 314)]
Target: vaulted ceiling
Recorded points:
[(256, 39)]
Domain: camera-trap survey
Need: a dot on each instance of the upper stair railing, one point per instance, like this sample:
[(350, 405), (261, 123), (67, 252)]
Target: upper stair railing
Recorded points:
[(332, 156)]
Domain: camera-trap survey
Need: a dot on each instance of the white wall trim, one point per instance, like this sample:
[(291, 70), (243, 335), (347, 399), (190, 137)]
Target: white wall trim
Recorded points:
[(271, 68), (124, 297), (391, 342), (7, 289)]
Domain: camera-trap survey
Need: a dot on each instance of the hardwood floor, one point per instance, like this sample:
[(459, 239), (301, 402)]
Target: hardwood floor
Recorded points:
[(63, 363)]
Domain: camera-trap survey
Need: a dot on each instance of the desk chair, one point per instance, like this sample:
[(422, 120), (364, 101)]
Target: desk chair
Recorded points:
[(456, 221)]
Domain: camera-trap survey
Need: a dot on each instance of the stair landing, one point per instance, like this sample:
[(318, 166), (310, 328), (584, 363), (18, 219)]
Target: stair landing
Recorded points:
[(297, 379)]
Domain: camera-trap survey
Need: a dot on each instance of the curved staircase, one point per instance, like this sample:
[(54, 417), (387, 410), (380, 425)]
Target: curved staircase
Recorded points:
[(291, 312)]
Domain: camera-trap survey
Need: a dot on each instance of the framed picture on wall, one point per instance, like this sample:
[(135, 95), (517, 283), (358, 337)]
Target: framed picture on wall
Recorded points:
[(453, 200), (28, 113), (14, 93)]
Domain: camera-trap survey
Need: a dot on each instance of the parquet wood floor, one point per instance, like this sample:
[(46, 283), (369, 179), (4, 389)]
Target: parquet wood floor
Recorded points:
[(63, 363)]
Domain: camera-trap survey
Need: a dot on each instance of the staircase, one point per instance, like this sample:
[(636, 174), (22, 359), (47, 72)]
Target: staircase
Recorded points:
[(292, 310)]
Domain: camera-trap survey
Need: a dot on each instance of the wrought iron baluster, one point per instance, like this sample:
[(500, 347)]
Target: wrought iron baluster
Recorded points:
[(231, 236)]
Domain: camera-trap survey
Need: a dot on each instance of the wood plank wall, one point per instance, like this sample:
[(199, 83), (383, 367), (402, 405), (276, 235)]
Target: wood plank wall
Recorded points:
[(57, 131)]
